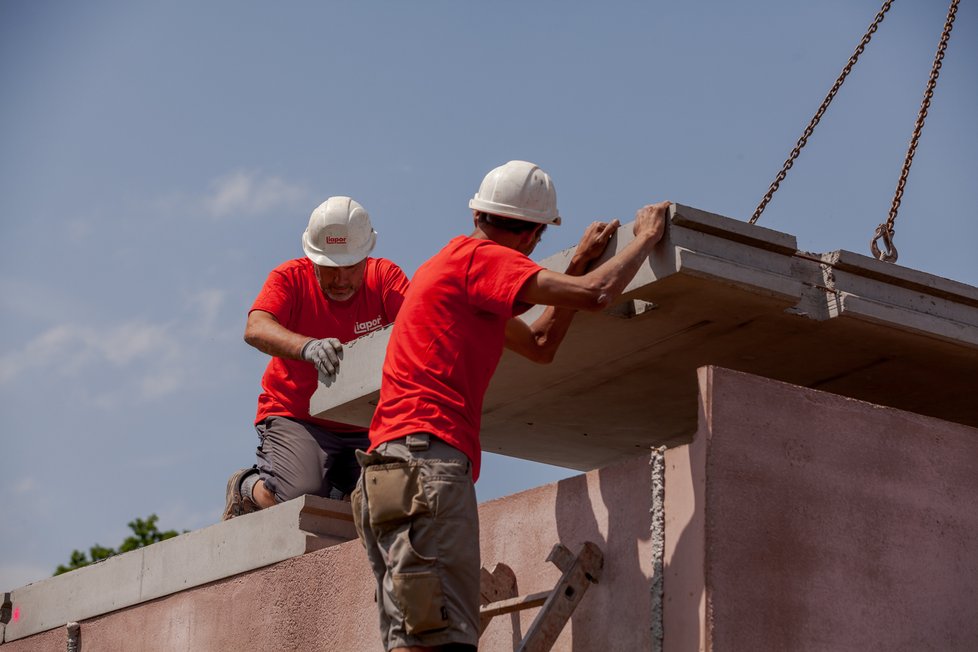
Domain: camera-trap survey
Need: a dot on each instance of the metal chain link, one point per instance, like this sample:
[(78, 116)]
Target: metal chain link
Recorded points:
[(885, 231), (821, 110)]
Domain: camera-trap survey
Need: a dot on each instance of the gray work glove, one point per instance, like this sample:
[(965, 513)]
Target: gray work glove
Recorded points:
[(324, 354)]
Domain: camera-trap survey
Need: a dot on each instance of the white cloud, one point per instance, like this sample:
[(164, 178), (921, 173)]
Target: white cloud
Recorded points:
[(162, 384), (208, 303), (239, 193), (246, 192), (109, 366), (128, 342), (78, 230), (146, 361), (69, 349), (24, 485), (39, 352)]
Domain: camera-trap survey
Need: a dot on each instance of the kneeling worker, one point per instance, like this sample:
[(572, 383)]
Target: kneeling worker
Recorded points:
[(306, 309)]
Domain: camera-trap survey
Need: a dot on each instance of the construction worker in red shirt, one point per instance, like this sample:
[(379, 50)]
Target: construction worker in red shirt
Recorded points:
[(307, 308), (415, 506)]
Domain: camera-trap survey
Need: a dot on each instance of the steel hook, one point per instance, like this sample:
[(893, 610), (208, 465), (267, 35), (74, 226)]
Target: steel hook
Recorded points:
[(890, 255)]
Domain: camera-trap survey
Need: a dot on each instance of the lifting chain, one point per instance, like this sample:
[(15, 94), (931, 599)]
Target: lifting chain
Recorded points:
[(885, 231), (821, 110)]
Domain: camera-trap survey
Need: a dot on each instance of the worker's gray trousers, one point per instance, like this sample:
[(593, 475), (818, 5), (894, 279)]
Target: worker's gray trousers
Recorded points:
[(416, 513), (296, 457)]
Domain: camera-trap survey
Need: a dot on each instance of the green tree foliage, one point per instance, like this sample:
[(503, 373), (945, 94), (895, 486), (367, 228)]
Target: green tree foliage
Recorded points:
[(144, 533)]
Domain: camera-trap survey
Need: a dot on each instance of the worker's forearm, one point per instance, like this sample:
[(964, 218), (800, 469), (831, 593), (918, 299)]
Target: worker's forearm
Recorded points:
[(598, 288), (577, 266), (274, 339), (614, 274), (550, 328)]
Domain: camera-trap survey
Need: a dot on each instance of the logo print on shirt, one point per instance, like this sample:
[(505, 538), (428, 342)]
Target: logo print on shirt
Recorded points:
[(334, 239), (362, 327)]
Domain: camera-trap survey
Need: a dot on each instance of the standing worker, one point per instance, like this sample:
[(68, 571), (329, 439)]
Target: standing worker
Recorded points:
[(305, 310), (415, 506)]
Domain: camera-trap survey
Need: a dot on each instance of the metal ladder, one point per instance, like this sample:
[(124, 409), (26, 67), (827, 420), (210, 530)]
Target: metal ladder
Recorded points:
[(499, 594)]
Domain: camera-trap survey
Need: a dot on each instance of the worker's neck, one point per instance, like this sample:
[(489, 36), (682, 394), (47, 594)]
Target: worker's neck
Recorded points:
[(500, 236)]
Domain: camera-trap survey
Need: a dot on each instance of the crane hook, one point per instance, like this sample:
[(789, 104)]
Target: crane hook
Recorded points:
[(890, 255)]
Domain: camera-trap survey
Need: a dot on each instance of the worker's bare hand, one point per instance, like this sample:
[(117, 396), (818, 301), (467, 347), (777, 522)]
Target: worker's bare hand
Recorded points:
[(595, 240), (651, 220)]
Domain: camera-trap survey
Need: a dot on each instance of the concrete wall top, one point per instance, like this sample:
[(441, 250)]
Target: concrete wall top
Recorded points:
[(723, 292), (222, 550)]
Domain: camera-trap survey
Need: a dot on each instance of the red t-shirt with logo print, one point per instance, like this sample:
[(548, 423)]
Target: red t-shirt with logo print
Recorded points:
[(447, 342), (293, 296)]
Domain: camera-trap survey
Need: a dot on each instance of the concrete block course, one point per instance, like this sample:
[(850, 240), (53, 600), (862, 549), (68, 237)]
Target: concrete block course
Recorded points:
[(192, 559), (318, 601)]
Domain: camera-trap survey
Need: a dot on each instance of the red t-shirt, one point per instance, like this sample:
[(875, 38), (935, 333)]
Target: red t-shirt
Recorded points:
[(447, 342), (292, 294)]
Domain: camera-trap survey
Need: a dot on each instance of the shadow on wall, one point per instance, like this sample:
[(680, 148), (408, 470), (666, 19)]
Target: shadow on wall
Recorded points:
[(611, 614), (683, 564)]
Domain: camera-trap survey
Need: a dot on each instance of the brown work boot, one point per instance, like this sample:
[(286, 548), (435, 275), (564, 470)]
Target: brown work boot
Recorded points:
[(234, 503)]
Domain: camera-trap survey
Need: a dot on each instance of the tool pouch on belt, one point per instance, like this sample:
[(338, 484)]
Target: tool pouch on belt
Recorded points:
[(393, 490)]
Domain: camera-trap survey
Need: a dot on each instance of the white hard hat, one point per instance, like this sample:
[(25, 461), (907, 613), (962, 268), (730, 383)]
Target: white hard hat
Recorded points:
[(339, 233), (519, 190)]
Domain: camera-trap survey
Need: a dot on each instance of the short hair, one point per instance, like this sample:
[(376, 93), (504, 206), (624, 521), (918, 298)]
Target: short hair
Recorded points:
[(508, 223)]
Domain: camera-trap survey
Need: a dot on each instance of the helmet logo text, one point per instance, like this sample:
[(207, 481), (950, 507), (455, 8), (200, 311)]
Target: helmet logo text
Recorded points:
[(335, 240)]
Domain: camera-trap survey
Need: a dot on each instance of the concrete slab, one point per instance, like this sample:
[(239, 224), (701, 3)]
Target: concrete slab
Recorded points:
[(722, 292), (228, 548)]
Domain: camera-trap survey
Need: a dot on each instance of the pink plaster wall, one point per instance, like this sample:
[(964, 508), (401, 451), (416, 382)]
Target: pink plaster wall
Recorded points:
[(796, 520), (824, 523), (324, 600), (319, 601), (610, 507)]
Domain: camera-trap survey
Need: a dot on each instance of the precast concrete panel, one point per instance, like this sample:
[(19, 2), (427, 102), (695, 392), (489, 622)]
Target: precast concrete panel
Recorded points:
[(719, 292)]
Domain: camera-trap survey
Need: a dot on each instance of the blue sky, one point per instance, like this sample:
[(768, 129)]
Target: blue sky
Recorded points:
[(158, 159)]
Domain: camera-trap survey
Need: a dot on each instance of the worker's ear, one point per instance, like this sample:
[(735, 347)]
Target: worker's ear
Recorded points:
[(529, 239)]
